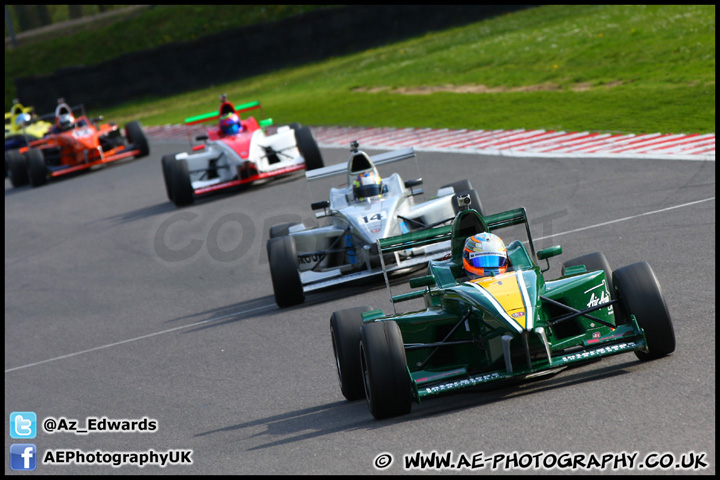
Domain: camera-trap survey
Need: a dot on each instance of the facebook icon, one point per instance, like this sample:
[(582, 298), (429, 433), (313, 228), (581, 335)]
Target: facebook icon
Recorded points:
[(23, 456)]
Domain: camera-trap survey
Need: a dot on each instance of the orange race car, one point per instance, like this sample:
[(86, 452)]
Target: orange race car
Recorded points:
[(74, 144)]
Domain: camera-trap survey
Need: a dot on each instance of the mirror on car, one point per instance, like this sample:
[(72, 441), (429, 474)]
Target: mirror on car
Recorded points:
[(320, 205), (546, 253)]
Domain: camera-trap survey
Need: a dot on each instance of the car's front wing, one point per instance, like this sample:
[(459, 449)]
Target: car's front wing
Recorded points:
[(628, 338), (214, 187), (64, 170)]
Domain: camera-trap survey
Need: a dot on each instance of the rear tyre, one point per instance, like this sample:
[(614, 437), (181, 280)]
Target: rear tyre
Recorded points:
[(460, 186), (287, 285), (308, 148), (167, 161), (384, 367), (136, 137), (36, 170), (180, 186), (463, 187), (345, 332), (17, 169), (640, 293), (597, 261)]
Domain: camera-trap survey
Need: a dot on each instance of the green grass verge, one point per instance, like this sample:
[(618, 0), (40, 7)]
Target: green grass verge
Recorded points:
[(624, 69)]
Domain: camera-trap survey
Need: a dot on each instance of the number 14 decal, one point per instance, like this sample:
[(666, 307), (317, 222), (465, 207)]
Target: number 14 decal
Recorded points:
[(372, 218)]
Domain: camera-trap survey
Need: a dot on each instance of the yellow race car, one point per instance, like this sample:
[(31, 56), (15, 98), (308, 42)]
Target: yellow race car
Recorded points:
[(22, 126)]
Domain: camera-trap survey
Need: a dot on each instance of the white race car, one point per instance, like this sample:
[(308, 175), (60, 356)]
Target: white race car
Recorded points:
[(241, 155), (366, 209)]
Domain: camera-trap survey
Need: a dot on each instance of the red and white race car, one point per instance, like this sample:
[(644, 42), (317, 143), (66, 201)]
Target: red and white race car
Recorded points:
[(73, 144), (236, 152)]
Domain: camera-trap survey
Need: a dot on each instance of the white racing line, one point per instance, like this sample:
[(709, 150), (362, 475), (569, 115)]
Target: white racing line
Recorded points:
[(272, 306), (626, 218), (201, 322)]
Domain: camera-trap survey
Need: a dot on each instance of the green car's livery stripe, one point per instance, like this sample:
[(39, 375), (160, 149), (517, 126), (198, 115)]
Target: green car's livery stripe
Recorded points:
[(498, 308)]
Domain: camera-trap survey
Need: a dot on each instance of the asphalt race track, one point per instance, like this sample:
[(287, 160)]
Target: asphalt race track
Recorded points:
[(119, 305)]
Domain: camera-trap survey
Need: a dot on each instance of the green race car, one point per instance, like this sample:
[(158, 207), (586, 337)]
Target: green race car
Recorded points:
[(513, 325)]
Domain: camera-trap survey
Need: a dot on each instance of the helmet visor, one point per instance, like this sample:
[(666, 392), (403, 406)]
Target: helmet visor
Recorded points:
[(488, 260), (365, 191)]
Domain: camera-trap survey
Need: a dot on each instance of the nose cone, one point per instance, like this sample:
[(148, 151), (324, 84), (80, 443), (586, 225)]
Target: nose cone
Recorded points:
[(374, 217), (510, 295)]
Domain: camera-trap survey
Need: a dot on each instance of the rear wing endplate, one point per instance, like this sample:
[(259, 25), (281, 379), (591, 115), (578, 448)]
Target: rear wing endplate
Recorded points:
[(409, 240), (508, 219)]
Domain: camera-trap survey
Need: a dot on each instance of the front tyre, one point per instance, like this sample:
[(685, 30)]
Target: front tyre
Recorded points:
[(17, 169), (167, 161), (36, 170), (345, 332), (180, 185), (384, 367), (136, 137), (640, 294), (287, 285)]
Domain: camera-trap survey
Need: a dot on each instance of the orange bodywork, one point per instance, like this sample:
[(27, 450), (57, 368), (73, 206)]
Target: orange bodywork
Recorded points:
[(80, 147)]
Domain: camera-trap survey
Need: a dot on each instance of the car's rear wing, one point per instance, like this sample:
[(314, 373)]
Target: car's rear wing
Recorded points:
[(455, 233), (439, 234), (76, 110), (245, 107), (17, 108), (381, 159), (414, 239)]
